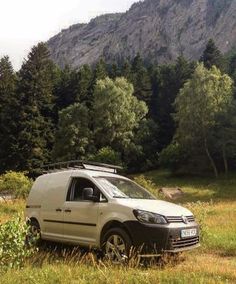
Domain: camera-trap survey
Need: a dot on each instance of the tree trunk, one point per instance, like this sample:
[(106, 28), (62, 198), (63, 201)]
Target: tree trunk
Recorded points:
[(211, 160), (225, 160)]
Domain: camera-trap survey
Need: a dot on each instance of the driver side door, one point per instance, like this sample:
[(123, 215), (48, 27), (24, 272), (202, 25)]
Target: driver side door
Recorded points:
[(80, 216)]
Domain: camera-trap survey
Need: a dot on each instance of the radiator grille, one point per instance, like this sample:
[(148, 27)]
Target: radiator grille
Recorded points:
[(179, 219)]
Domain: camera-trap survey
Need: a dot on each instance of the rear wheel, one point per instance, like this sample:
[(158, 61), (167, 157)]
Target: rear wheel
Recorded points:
[(33, 236), (116, 245)]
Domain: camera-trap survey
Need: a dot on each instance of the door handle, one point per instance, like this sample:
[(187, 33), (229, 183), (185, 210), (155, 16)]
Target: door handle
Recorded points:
[(67, 210), (58, 210)]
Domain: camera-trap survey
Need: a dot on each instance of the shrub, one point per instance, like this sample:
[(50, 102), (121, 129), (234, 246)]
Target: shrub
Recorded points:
[(201, 210), (13, 250), (146, 183), (171, 157), (15, 183), (106, 155)]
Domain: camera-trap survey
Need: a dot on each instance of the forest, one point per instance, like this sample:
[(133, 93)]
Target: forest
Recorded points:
[(180, 116)]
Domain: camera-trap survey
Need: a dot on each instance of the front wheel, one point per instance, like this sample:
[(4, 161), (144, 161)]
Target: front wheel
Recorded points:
[(116, 245)]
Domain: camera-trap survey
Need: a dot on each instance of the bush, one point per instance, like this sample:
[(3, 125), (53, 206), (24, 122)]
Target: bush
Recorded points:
[(172, 157), (15, 183), (107, 155), (13, 250), (146, 183), (201, 210)]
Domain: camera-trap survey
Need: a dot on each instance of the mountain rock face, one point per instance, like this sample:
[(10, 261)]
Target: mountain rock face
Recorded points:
[(160, 30)]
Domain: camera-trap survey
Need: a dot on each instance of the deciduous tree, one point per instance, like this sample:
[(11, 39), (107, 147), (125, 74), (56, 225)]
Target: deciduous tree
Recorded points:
[(73, 138), (203, 98), (116, 113)]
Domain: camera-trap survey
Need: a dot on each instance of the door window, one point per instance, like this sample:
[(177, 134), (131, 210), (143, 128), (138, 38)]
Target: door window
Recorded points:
[(77, 186)]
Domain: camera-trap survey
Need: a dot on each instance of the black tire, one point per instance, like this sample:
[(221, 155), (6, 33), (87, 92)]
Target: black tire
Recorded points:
[(116, 245), (33, 237)]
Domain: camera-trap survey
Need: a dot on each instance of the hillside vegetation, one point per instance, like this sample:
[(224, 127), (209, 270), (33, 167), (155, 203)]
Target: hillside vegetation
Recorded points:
[(181, 116), (212, 201)]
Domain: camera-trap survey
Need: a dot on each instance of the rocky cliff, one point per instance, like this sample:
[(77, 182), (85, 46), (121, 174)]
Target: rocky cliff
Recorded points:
[(160, 30)]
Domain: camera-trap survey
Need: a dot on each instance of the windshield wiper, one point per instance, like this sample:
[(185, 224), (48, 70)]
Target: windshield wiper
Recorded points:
[(143, 198), (119, 196)]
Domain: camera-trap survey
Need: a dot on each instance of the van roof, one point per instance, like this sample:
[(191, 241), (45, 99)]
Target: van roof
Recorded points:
[(83, 172), (79, 164), (96, 173)]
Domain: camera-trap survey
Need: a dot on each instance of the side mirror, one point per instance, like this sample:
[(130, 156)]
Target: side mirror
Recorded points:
[(88, 195)]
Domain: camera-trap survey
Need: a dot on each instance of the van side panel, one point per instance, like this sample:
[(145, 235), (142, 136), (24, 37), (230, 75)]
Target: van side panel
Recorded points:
[(52, 205), (35, 198)]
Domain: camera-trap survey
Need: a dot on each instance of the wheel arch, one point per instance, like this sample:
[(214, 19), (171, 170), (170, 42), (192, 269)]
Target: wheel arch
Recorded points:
[(33, 219), (111, 225)]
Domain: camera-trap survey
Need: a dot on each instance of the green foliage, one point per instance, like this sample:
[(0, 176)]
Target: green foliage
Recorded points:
[(35, 88), (13, 251), (212, 56), (126, 71), (201, 210), (100, 72), (167, 80), (66, 88), (114, 71), (203, 98), (144, 150), (8, 111), (73, 139), (78, 112), (140, 80), (85, 81), (107, 155), (116, 112), (146, 183), (15, 183), (172, 157)]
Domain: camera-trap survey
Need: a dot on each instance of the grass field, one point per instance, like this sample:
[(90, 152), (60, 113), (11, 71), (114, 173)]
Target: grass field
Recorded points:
[(214, 204)]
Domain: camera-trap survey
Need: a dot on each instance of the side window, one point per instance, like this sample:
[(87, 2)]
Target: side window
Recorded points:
[(75, 192)]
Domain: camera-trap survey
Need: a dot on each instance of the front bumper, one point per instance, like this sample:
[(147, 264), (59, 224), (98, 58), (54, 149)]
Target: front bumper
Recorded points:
[(162, 238)]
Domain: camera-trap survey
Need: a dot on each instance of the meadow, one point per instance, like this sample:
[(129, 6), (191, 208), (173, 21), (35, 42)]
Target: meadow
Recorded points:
[(213, 201)]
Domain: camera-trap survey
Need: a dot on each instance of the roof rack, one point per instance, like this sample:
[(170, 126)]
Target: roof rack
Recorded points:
[(79, 164)]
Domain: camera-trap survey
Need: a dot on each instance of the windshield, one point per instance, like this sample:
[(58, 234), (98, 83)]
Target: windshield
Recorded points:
[(123, 188)]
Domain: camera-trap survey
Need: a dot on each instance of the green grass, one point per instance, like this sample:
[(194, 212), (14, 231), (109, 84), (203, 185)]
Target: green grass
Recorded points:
[(212, 201)]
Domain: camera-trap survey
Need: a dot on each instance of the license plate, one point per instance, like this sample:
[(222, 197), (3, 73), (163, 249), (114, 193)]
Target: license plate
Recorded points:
[(188, 233)]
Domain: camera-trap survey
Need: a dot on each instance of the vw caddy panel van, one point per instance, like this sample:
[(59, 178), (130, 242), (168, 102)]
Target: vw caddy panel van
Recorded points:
[(91, 205)]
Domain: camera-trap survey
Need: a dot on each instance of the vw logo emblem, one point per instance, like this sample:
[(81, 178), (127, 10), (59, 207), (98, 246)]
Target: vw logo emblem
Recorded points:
[(185, 219)]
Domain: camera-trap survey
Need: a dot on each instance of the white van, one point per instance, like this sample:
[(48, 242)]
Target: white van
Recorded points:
[(88, 204)]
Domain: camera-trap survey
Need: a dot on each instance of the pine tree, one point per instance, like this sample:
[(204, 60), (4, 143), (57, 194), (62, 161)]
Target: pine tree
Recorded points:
[(169, 80), (232, 64), (212, 56), (141, 80), (100, 71), (8, 119), (114, 71), (85, 81), (126, 71), (35, 115), (67, 88)]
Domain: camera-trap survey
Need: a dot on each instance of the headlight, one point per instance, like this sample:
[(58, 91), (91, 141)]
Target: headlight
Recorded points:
[(149, 218)]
